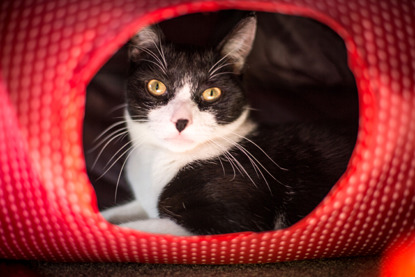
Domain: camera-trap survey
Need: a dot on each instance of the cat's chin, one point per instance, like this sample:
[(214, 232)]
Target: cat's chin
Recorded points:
[(179, 144)]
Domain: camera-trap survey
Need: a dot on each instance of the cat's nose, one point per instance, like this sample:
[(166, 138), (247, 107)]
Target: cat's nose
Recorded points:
[(181, 124)]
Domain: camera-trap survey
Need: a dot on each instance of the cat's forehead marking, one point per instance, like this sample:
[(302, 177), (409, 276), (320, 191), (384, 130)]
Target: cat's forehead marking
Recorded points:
[(184, 92)]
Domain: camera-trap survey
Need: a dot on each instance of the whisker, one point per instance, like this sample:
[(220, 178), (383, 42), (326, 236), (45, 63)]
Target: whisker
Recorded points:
[(132, 148), (266, 170), (257, 146), (108, 137), (161, 52), (106, 145), (219, 64), (158, 60), (127, 144), (227, 158), (251, 159), (221, 73), (240, 167), (220, 60), (254, 163), (218, 68), (108, 129), (156, 64), (140, 120), (109, 167), (118, 107), (252, 109), (223, 168)]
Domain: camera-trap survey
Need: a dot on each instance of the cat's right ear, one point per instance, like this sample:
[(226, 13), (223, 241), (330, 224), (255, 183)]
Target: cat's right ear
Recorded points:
[(148, 37), (237, 45)]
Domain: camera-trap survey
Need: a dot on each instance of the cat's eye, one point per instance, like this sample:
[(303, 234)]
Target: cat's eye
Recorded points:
[(211, 94), (156, 87)]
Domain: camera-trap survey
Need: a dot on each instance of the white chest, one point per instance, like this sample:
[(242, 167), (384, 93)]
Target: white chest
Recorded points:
[(149, 170)]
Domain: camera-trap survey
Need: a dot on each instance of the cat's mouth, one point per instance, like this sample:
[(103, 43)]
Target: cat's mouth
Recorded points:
[(179, 143), (179, 139)]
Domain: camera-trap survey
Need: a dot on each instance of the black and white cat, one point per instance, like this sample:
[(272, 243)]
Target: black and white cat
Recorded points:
[(199, 164)]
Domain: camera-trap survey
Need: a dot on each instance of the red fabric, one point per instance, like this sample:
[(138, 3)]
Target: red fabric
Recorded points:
[(50, 50)]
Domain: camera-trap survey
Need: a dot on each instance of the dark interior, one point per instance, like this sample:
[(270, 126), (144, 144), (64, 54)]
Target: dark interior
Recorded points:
[(297, 71)]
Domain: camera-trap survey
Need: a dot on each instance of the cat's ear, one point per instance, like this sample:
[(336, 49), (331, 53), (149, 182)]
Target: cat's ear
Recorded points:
[(148, 37), (238, 43)]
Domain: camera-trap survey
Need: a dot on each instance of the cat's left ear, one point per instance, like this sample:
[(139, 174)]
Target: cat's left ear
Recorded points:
[(148, 37), (238, 43)]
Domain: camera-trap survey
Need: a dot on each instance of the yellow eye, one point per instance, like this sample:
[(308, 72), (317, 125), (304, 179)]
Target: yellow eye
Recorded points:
[(156, 88), (211, 94)]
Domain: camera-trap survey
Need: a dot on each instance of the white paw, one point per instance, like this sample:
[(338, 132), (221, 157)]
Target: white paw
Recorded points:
[(158, 226), (124, 213)]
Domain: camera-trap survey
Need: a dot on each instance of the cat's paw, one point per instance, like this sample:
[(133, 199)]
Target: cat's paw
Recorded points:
[(121, 214), (113, 217)]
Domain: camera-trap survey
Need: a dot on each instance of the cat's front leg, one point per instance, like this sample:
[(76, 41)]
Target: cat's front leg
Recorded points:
[(125, 213), (158, 226)]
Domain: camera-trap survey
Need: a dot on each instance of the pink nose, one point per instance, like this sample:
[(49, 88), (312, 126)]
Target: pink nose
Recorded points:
[(182, 116)]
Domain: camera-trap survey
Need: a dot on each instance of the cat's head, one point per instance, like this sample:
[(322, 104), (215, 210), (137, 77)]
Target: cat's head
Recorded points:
[(179, 97)]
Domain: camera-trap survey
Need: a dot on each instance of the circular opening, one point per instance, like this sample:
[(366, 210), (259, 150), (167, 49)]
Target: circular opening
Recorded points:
[(296, 74)]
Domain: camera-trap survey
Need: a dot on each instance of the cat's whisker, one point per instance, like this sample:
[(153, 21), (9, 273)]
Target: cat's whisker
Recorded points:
[(225, 154), (254, 161), (220, 61), (108, 137), (161, 52), (220, 64), (240, 167), (108, 129), (136, 118), (110, 162), (132, 148), (108, 166), (254, 165), (106, 145), (212, 74), (158, 62), (246, 152), (151, 53), (221, 73), (118, 107), (252, 109), (140, 120), (223, 168), (243, 169), (265, 153)]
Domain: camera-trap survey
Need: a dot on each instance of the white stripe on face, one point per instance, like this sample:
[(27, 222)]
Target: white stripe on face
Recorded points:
[(182, 105)]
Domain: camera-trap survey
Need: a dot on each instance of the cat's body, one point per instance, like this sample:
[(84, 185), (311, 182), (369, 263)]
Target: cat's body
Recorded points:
[(200, 164)]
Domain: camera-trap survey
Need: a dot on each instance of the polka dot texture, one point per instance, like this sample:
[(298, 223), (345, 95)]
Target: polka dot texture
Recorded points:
[(50, 50)]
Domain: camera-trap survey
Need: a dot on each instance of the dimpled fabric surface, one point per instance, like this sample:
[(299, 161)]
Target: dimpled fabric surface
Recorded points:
[(50, 50)]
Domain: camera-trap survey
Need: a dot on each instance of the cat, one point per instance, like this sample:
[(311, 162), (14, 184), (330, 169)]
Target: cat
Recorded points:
[(200, 164)]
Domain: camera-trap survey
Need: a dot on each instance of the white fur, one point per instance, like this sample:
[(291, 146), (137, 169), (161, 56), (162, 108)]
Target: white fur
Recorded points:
[(158, 226), (160, 151)]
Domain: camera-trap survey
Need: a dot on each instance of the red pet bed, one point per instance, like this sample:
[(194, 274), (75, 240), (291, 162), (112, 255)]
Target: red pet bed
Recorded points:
[(49, 52)]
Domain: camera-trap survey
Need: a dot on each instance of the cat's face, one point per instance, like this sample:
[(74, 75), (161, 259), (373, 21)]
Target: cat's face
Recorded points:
[(179, 98)]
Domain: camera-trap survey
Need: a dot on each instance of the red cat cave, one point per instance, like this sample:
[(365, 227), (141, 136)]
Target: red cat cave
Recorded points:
[(50, 50)]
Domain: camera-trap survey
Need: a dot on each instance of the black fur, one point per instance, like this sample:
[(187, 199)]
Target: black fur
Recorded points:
[(208, 199)]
